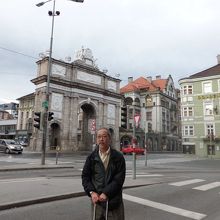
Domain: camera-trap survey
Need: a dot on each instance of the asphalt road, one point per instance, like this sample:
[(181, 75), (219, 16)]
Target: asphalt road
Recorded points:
[(185, 188), (155, 202)]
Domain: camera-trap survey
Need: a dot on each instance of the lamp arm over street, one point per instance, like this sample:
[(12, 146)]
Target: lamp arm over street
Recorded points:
[(42, 3)]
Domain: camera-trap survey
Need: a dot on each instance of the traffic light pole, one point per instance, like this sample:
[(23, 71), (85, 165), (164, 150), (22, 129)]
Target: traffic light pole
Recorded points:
[(43, 150), (145, 146), (133, 144)]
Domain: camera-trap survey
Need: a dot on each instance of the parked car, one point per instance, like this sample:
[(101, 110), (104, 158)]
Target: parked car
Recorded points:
[(10, 146), (23, 143), (129, 150)]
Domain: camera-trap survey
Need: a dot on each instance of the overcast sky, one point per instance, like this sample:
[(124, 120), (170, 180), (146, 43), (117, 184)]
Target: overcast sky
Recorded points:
[(127, 37)]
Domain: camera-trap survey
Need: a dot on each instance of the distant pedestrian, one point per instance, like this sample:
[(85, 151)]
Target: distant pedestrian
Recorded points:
[(103, 176)]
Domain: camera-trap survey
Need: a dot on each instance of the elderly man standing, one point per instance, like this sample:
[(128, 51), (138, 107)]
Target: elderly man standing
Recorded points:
[(103, 176)]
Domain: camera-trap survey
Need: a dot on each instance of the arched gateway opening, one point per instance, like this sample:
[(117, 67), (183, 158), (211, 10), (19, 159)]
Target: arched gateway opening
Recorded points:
[(55, 136), (86, 127)]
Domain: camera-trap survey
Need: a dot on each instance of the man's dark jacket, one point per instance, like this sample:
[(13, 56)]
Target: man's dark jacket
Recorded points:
[(110, 181)]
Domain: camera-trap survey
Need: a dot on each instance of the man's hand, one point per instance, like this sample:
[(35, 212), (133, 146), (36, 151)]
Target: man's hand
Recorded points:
[(103, 198), (95, 197)]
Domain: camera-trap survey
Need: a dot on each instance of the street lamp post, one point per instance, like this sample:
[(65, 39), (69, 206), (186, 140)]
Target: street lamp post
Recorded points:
[(46, 102)]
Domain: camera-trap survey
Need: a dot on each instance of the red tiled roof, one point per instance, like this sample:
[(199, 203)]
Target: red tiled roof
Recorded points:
[(143, 83), (162, 83)]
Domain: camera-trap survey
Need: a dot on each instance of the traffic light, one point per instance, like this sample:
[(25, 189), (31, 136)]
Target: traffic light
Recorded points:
[(50, 116), (124, 117), (37, 119)]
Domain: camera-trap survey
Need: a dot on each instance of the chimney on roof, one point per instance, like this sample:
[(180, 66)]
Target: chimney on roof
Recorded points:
[(158, 77), (218, 58), (149, 78), (130, 79)]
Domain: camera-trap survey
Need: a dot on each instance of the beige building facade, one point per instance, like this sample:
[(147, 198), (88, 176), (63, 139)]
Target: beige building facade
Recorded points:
[(25, 118), (82, 98)]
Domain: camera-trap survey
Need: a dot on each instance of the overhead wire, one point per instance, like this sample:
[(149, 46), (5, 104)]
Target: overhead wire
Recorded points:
[(16, 52)]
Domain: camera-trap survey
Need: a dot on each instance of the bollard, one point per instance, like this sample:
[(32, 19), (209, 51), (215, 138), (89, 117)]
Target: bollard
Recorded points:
[(57, 154)]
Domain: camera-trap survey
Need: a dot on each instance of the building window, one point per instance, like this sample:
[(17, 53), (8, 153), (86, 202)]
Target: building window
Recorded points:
[(210, 129), (188, 130), (149, 127), (149, 116), (21, 120), (30, 125), (208, 108), (190, 99), (187, 111), (190, 90), (190, 111), (207, 87), (137, 112), (130, 113), (211, 149), (187, 90)]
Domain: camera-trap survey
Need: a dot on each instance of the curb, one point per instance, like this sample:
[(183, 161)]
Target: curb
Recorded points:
[(40, 200), (34, 168), (24, 203)]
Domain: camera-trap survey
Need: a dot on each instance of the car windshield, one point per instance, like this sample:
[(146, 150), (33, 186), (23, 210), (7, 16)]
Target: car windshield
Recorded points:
[(10, 142)]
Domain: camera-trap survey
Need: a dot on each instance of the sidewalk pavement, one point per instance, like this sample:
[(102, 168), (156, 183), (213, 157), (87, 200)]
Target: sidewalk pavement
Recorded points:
[(29, 191)]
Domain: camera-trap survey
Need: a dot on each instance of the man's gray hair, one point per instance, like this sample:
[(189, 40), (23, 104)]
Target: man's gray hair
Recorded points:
[(107, 130)]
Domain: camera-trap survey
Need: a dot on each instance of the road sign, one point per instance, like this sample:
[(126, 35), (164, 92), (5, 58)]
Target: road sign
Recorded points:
[(137, 120), (93, 126), (45, 104)]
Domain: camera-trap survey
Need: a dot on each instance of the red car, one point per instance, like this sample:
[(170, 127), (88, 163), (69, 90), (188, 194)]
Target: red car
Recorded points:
[(129, 150)]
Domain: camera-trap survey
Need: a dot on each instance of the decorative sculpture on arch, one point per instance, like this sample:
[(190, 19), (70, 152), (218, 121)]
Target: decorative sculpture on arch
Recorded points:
[(86, 56)]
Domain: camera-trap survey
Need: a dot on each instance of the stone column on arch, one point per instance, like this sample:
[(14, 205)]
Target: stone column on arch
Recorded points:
[(100, 115), (65, 123), (73, 123), (105, 114)]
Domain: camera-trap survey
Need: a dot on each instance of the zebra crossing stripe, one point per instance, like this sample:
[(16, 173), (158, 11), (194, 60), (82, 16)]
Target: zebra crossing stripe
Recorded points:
[(144, 175), (186, 182), (164, 207), (208, 186)]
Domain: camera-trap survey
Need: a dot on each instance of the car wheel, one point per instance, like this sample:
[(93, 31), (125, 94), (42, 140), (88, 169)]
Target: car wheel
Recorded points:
[(7, 151), (19, 152)]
